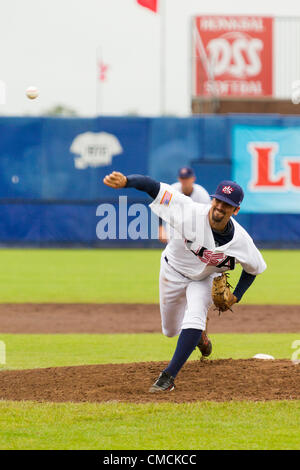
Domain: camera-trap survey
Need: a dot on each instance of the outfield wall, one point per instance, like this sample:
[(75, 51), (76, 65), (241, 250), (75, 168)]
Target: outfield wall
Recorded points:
[(51, 172)]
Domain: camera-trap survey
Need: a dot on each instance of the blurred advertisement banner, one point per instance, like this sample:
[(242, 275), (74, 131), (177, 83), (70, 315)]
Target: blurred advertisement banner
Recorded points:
[(266, 163), (232, 56)]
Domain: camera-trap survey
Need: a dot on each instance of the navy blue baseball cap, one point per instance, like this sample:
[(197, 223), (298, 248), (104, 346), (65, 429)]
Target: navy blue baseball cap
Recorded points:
[(230, 192), (185, 172)]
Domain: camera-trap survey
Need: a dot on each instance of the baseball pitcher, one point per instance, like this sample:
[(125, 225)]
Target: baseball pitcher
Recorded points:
[(191, 280)]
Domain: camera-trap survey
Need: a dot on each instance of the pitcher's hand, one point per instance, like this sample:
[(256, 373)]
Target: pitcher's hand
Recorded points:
[(115, 180)]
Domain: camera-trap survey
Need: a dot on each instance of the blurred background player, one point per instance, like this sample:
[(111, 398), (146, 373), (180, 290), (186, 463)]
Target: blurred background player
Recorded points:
[(187, 186)]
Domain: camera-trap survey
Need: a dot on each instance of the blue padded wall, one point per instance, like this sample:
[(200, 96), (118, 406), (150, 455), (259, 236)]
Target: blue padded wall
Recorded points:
[(45, 198)]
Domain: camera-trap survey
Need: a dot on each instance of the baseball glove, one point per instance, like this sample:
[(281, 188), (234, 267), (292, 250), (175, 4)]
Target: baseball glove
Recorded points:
[(222, 296)]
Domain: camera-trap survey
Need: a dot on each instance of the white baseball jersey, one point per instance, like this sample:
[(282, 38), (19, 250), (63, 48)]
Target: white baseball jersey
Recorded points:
[(176, 248), (202, 257)]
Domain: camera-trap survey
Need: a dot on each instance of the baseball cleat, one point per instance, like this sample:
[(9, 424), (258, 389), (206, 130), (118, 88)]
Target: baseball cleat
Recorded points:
[(205, 345), (165, 382)]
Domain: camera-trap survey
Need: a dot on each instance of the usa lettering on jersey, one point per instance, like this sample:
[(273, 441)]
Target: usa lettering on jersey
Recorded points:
[(218, 260)]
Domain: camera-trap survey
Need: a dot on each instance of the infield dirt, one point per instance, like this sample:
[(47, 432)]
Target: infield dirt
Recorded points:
[(139, 318), (219, 380)]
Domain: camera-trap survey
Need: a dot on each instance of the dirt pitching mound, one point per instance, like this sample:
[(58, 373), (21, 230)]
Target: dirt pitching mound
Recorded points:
[(220, 380), (139, 318)]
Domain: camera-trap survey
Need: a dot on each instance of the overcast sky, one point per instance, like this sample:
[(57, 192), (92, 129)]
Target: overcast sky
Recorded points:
[(52, 44)]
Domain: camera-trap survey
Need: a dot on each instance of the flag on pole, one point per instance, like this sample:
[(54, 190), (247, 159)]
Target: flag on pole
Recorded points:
[(151, 4), (103, 68)]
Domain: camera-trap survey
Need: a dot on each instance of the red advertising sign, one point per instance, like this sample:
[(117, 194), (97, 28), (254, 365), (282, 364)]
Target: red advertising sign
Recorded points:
[(232, 56)]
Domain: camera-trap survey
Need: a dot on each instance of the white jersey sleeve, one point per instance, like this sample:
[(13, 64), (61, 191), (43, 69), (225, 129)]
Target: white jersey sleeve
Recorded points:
[(244, 250), (254, 262), (250, 258)]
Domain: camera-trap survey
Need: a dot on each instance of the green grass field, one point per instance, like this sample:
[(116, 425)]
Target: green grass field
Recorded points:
[(31, 351), (205, 425), (96, 276)]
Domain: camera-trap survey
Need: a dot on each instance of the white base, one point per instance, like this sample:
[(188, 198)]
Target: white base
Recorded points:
[(263, 356)]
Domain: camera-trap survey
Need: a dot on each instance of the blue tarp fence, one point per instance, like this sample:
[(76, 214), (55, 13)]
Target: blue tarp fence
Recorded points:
[(51, 172)]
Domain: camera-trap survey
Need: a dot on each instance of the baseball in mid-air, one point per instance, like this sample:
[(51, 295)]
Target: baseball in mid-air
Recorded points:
[(32, 92)]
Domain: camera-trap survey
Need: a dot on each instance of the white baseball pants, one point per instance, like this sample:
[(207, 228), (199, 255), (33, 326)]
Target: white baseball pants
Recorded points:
[(183, 303)]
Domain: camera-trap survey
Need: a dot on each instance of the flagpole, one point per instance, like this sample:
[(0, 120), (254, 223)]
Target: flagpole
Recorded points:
[(162, 8), (208, 67)]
